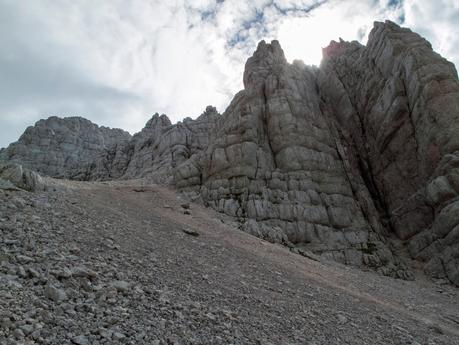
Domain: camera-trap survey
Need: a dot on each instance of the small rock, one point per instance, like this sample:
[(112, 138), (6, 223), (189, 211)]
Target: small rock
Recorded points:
[(33, 273), (11, 242), (26, 329), (191, 232), (118, 336), (121, 285), (24, 259), (80, 340), (18, 333), (21, 272), (6, 323), (341, 319), (82, 271), (55, 294), (63, 273), (186, 206)]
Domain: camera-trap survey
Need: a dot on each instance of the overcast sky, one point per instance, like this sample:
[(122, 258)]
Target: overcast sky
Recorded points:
[(118, 62)]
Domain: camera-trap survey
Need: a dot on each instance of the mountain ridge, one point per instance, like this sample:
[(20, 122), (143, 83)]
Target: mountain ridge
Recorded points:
[(337, 159)]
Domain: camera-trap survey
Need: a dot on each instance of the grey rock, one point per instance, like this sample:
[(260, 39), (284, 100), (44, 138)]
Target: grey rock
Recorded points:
[(27, 329), (80, 340), (55, 294), (78, 149), (291, 188), (121, 285), (65, 148), (335, 158), (14, 176), (18, 333)]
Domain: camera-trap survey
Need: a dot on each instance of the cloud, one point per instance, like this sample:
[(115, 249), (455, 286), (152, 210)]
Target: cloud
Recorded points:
[(118, 62)]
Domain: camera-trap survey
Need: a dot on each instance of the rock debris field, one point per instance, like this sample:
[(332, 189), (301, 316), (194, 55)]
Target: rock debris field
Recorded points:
[(136, 263)]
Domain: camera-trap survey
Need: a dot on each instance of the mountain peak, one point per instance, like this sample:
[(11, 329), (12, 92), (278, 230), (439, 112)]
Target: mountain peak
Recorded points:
[(266, 57)]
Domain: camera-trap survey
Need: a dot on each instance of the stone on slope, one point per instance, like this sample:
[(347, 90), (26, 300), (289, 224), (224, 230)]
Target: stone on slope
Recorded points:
[(14, 176)]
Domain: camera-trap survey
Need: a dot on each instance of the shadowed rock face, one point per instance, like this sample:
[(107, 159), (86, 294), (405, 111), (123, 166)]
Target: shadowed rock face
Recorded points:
[(397, 105), (336, 159)]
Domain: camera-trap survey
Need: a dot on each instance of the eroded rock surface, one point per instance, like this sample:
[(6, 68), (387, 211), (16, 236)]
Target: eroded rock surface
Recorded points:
[(397, 105), (277, 163), (64, 148), (344, 160), (15, 177), (339, 158), (78, 149), (161, 146)]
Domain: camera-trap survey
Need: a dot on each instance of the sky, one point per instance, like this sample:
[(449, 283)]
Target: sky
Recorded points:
[(118, 62)]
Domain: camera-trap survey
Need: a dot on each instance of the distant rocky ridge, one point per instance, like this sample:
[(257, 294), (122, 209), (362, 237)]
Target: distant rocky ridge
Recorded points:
[(340, 160), (75, 148)]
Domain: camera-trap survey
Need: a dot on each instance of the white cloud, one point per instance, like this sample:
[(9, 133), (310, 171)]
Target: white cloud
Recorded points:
[(117, 62)]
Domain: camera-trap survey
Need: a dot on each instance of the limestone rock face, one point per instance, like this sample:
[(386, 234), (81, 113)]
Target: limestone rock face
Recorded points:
[(397, 105), (75, 148), (276, 161), (336, 159), (64, 148), (161, 146)]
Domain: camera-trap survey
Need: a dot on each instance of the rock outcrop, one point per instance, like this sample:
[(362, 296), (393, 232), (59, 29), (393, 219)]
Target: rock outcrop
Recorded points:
[(15, 177), (397, 105), (277, 163), (75, 148), (161, 146), (338, 159), (341, 160), (64, 148)]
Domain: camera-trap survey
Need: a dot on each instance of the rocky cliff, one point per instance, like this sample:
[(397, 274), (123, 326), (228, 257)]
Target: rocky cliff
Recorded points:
[(64, 148), (341, 160), (78, 149)]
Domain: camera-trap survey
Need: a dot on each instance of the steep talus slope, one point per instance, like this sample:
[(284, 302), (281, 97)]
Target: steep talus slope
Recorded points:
[(110, 263), (397, 104), (343, 160)]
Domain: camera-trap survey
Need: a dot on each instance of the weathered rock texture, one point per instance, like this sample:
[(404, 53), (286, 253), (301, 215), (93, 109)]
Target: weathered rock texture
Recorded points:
[(336, 160), (161, 146), (339, 158), (397, 105), (277, 162), (64, 148), (14, 177), (76, 148)]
